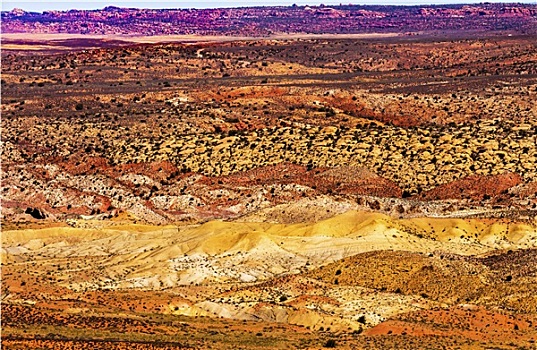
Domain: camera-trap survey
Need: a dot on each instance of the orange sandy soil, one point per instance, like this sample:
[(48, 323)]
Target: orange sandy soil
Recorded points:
[(464, 322)]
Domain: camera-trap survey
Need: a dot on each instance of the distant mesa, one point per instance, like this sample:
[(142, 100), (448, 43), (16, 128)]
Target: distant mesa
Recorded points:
[(112, 8), (17, 12), (257, 21)]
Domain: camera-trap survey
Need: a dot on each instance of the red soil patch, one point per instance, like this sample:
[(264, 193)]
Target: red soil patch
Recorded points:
[(474, 187), (344, 180), (470, 322)]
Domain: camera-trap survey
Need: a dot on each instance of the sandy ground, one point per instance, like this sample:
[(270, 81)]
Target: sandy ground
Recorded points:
[(174, 38)]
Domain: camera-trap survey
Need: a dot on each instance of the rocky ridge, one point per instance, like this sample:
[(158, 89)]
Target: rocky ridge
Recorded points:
[(262, 21)]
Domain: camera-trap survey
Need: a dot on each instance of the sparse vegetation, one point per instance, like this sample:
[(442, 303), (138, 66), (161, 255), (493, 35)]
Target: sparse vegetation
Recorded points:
[(364, 191)]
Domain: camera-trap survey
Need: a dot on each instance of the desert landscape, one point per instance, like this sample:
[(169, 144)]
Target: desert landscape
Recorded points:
[(365, 178)]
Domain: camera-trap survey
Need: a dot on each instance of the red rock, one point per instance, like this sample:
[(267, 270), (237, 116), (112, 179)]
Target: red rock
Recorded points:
[(474, 187)]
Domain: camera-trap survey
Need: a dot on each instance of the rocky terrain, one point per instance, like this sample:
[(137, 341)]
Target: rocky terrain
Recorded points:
[(262, 21), (301, 192), (356, 277), (179, 132)]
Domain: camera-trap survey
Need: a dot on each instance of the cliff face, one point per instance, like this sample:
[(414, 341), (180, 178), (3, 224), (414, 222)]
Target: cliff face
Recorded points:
[(261, 21)]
